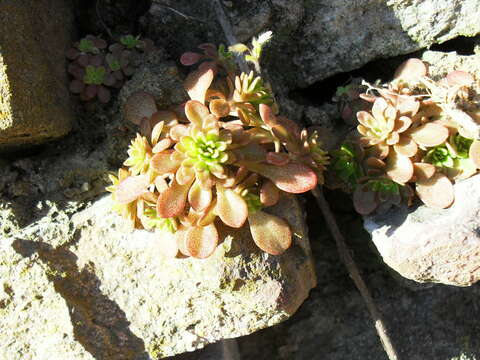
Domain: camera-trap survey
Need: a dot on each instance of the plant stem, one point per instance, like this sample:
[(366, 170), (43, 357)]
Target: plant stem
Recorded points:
[(354, 273), (228, 31)]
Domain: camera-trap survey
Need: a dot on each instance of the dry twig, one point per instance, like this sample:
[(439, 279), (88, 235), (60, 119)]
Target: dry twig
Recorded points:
[(354, 273)]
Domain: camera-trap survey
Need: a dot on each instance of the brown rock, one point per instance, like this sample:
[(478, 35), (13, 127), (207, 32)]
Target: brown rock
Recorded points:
[(34, 99)]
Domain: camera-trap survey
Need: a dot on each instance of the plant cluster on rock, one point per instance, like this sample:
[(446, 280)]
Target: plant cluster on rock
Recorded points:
[(222, 156), (416, 136), (97, 67)]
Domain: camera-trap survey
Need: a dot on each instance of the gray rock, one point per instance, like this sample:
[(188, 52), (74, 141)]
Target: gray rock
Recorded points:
[(339, 36), (34, 98), (439, 245), (159, 77), (314, 40), (436, 323), (88, 280)]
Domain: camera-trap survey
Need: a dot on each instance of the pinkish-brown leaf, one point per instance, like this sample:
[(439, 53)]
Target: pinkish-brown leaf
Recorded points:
[(231, 207), (181, 237), (271, 233), (190, 58), (219, 107), (198, 197), (139, 105), (131, 188), (430, 135), (292, 178), (198, 82), (162, 145), (278, 159), (411, 70), (172, 201), (459, 78), (436, 192), (196, 112), (474, 153), (269, 194), (164, 163), (364, 200), (423, 171), (399, 168), (406, 146), (201, 241), (375, 163)]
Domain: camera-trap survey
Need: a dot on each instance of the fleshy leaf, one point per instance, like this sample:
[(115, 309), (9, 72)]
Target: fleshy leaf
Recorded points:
[(430, 135), (364, 200), (292, 178), (138, 106), (201, 241), (131, 188), (172, 201), (399, 168), (198, 82), (164, 163), (271, 233), (198, 197), (190, 58), (423, 171), (196, 112), (180, 238), (459, 78), (269, 194), (411, 70), (162, 145), (219, 107), (278, 159), (436, 192), (474, 153), (231, 207), (406, 146)]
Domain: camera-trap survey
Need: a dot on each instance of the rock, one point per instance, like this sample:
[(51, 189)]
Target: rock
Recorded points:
[(112, 292), (34, 98), (438, 322), (158, 77), (441, 63), (315, 40), (425, 244)]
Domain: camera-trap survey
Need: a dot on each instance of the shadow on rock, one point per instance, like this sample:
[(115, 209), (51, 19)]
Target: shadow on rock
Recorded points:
[(99, 324)]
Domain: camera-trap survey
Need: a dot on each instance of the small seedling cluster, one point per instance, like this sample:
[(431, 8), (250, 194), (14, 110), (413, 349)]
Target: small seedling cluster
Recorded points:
[(97, 68)]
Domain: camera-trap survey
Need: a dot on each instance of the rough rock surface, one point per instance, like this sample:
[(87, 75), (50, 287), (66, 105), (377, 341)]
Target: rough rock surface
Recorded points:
[(314, 40), (426, 244), (425, 321), (124, 300), (34, 99)]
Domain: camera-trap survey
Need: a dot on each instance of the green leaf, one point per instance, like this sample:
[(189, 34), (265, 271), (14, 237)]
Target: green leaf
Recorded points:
[(130, 41), (94, 75), (86, 46)]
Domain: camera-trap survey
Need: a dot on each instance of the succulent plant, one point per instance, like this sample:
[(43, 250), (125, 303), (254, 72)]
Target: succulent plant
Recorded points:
[(210, 162), (96, 69), (417, 132)]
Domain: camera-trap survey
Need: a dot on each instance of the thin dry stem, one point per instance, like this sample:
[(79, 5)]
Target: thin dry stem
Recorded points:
[(354, 273), (228, 31)]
